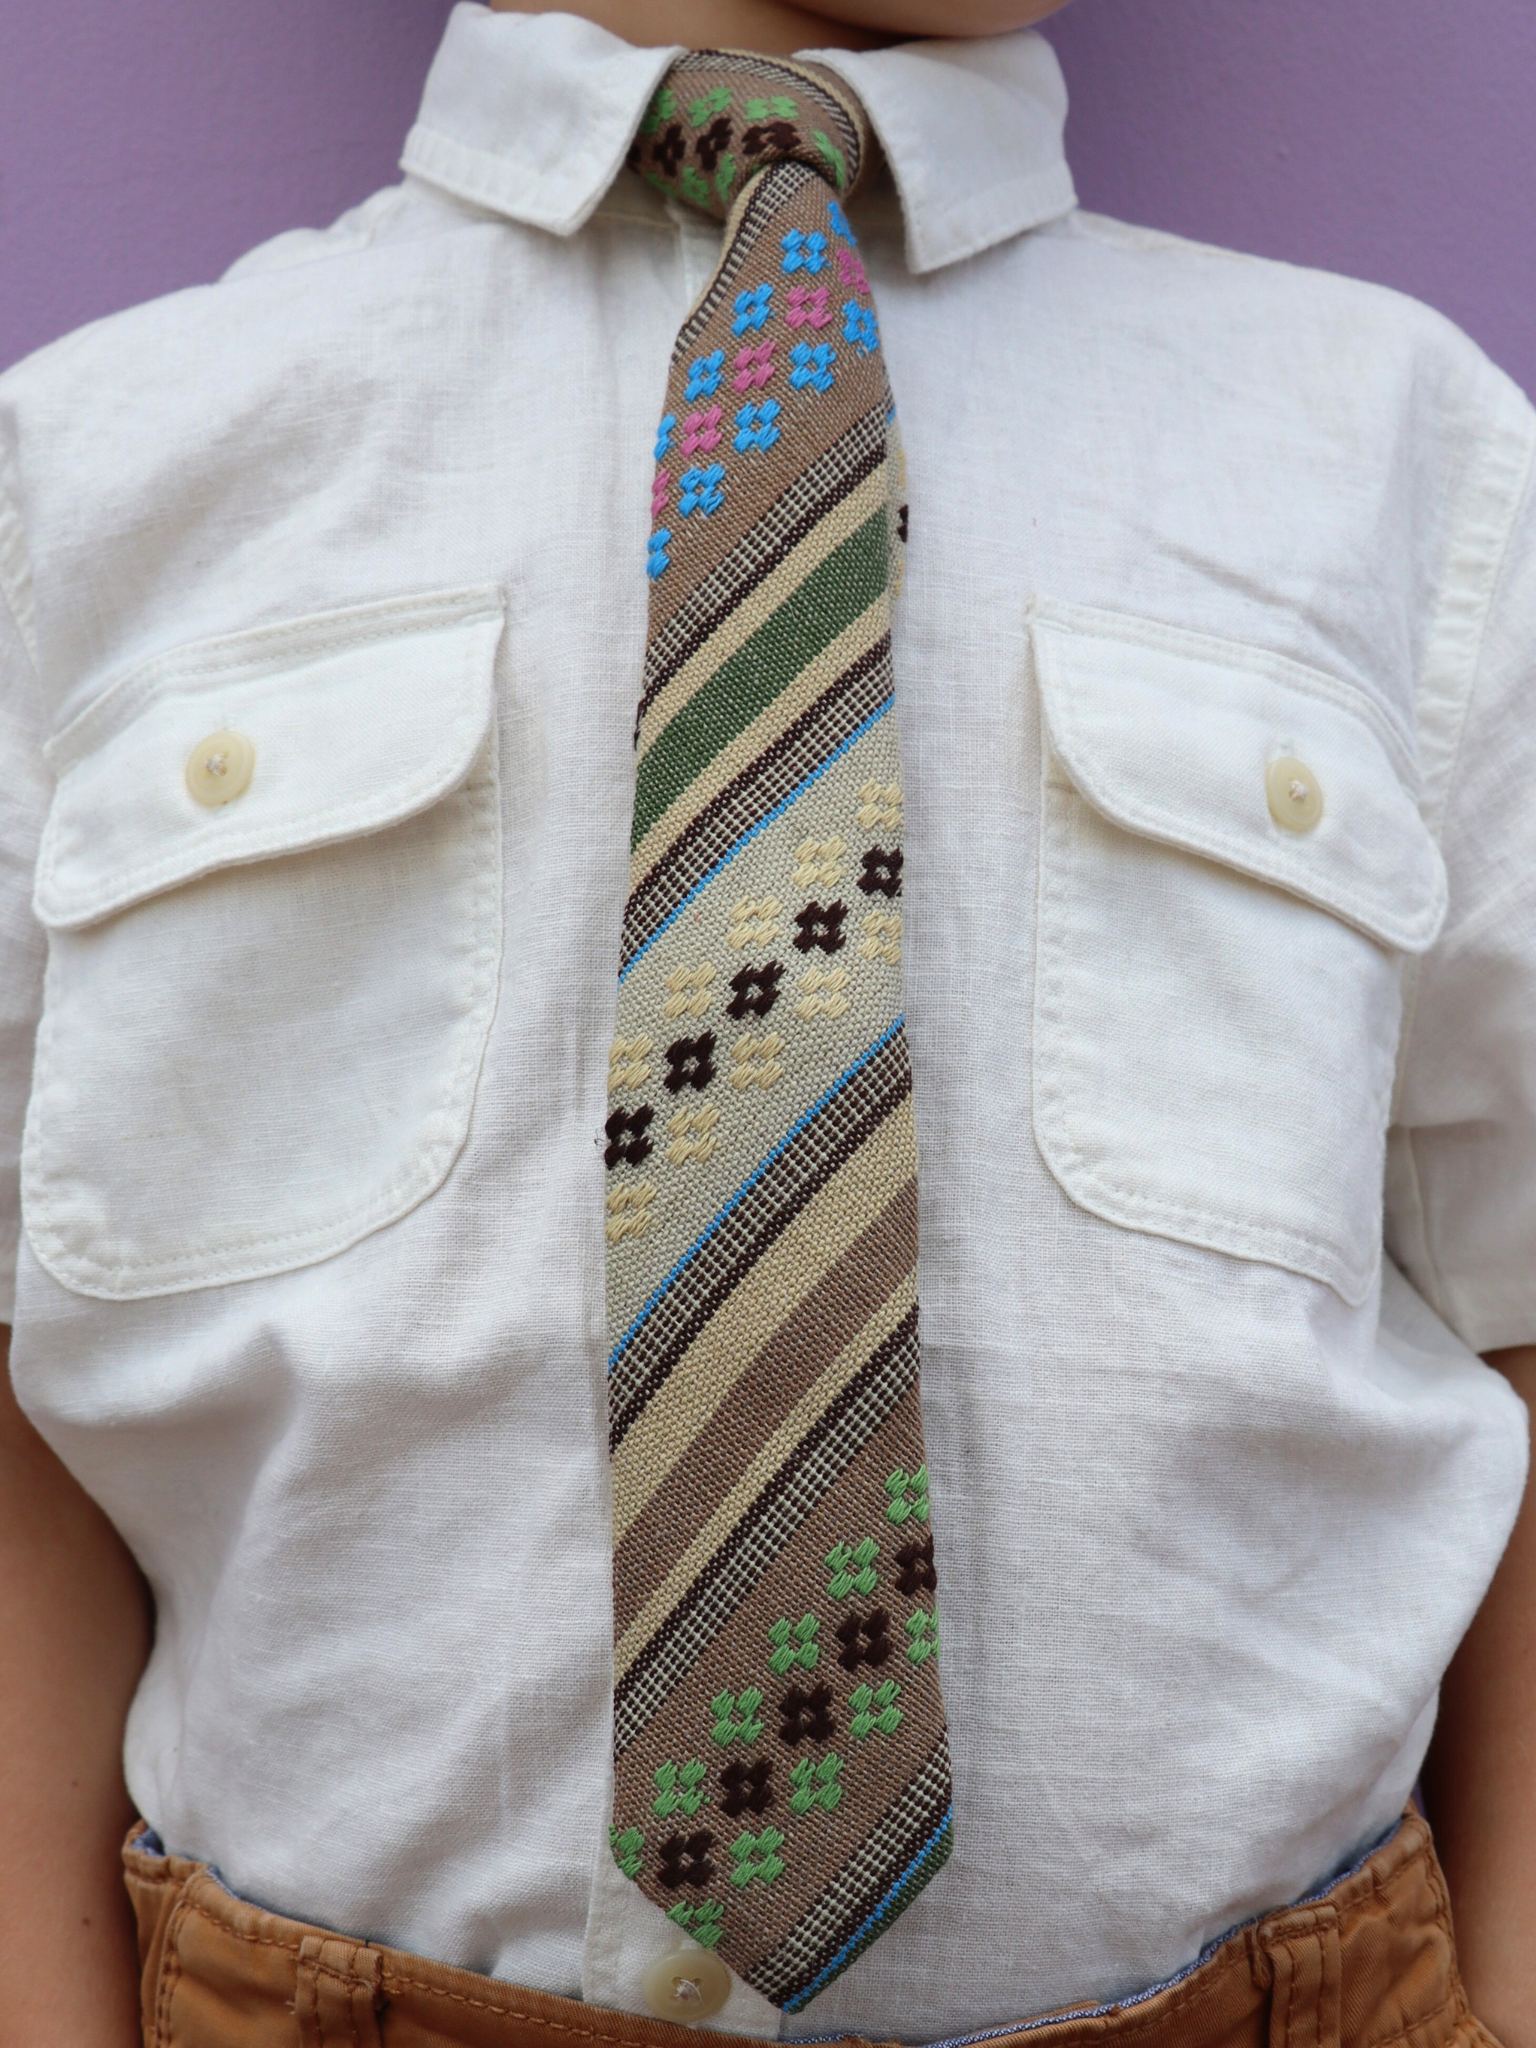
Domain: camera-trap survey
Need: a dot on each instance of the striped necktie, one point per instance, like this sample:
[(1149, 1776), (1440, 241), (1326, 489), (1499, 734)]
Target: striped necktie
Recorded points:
[(781, 1764)]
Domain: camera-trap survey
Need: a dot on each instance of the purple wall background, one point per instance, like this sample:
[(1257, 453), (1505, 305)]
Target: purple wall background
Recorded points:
[(145, 143)]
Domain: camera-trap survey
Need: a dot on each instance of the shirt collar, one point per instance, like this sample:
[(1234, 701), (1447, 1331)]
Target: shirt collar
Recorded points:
[(531, 116)]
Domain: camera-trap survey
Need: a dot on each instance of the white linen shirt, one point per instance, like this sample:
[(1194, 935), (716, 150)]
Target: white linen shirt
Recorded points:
[(310, 1289)]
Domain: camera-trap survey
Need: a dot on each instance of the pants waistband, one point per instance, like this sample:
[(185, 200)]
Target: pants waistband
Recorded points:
[(1371, 1963)]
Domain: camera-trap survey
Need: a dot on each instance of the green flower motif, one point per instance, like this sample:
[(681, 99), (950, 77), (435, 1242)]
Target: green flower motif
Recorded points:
[(738, 1716), (680, 1789), (628, 1848), (816, 1784), (662, 108), (792, 1646), (906, 1496), (725, 177), (757, 1857), (694, 187), (779, 108), (834, 156), (873, 1709), (852, 1571), (704, 1923), (922, 1637), (705, 108)]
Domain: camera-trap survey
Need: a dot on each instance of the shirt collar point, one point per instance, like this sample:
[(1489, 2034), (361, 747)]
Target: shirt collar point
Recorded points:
[(972, 132), (531, 116)]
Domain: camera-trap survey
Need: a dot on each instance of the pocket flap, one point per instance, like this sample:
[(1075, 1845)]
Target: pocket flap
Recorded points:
[(357, 718), (1170, 735)]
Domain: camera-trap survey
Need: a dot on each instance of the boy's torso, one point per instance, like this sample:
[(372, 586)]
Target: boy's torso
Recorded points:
[(313, 1299)]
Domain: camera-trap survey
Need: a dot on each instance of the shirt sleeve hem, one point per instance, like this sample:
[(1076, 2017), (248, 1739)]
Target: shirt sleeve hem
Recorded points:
[(1488, 1318)]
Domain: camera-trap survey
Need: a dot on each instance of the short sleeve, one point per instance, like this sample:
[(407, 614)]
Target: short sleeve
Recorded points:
[(1461, 1183), (24, 785)]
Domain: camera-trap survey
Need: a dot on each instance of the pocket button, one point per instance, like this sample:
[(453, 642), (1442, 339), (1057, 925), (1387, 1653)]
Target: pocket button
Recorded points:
[(219, 768), (687, 1986), (1295, 794)]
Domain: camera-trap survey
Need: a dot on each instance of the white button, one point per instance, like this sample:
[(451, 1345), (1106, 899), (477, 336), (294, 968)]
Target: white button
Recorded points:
[(687, 1986), (219, 768), (1295, 794)]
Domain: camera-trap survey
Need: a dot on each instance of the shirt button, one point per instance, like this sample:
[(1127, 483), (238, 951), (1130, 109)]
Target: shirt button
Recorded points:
[(219, 768), (1295, 794), (686, 1986)]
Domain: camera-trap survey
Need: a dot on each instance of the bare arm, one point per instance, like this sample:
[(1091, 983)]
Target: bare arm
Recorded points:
[(74, 1635), (1480, 1782)]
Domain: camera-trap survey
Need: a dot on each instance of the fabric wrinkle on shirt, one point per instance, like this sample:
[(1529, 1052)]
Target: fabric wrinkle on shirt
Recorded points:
[(1216, 1486)]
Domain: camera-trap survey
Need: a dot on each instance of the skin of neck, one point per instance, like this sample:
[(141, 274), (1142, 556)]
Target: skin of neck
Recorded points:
[(780, 27)]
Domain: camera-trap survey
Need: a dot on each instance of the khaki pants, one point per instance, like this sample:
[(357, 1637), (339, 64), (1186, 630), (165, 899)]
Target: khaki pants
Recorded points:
[(1371, 1964)]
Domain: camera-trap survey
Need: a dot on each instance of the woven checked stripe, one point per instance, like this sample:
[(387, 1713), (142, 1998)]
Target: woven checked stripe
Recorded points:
[(781, 1764)]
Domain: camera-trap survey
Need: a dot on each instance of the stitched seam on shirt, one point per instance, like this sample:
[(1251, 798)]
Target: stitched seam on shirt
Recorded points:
[(1249, 857), (1270, 1242), (924, 219), (1248, 854), (1130, 629), (313, 829), (1170, 829), (481, 796), (482, 176), (1436, 800), (265, 650), (378, 1205), (15, 563)]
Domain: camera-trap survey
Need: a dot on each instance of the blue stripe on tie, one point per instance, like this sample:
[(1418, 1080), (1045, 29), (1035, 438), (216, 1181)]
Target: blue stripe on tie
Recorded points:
[(803, 1998), (749, 1184), (752, 831)]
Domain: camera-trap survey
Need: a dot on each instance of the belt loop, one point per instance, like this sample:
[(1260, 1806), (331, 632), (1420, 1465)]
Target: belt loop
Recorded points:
[(339, 1994), (1303, 1950)]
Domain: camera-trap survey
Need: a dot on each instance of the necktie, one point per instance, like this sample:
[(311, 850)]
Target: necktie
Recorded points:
[(781, 1764)]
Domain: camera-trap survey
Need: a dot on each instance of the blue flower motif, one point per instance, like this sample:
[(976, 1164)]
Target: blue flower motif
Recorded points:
[(704, 376), (805, 252), (752, 309), (812, 367), (860, 326), (698, 490), (657, 560), (755, 426), (664, 435), (840, 226)]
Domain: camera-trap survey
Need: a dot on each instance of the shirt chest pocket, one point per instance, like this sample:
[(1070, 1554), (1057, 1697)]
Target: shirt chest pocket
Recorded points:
[(1232, 868), (271, 880)]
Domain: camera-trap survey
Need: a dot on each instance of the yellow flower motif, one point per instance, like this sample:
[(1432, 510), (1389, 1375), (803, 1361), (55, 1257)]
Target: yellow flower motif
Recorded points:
[(755, 1062), (688, 990), (880, 806), (819, 863), (627, 1063), (754, 921), (629, 1211), (882, 937), (822, 993), (692, 1132)]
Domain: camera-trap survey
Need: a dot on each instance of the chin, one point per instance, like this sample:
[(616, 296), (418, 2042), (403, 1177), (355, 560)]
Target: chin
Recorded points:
[(936, 17)]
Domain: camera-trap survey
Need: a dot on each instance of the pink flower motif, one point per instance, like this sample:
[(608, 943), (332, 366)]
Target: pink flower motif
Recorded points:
[(660, 491), (808, 306), (754, 366), (850, 268), (701, 431)]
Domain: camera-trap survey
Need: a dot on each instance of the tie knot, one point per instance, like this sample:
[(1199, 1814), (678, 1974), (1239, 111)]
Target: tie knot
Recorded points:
[(721, 116)]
